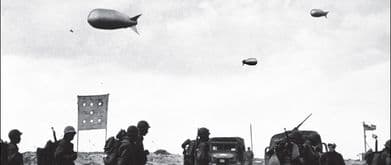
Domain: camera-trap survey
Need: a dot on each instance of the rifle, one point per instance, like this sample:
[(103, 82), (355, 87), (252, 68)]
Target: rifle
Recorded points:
[(297, 127), (54, 135), (195, 148), (288, 139)]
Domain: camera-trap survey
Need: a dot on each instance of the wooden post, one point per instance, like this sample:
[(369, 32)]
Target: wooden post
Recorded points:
[(77, 146)]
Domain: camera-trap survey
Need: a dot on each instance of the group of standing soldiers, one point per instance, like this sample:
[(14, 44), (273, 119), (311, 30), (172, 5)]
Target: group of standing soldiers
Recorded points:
[(294, 149), (63, 152), (129, 150), (129, 147), (196, 152)]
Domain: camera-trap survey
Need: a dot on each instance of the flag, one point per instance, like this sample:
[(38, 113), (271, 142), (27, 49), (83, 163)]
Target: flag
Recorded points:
[(368, 127), (92, 112)]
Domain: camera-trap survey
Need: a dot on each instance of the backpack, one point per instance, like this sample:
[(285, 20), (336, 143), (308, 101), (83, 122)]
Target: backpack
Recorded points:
[(111, 150), (110, 145), (191, 149), (45, 156), (4, 154), (202, 152)]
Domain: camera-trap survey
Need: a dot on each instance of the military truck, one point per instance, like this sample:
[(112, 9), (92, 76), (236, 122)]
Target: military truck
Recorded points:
[(295, 147), (281, 146), (227, 151)]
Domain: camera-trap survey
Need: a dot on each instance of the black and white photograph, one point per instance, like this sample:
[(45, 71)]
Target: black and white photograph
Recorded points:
[(195, 82)]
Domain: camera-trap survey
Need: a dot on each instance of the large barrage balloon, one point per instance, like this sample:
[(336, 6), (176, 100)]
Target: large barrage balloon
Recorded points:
[(250, 61), (319, 13), (111, 19)]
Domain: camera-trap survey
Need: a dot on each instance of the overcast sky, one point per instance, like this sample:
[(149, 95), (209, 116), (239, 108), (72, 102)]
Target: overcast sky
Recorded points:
[(184, 69)]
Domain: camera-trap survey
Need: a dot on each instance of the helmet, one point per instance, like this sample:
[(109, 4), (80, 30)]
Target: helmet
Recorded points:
[(132, 130), (332, 145), (69, 129), (388, 145), (143, 124), (203, 132), (14, 133)]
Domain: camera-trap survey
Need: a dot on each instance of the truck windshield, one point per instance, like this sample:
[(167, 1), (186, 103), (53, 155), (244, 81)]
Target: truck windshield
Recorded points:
[(223, 147)]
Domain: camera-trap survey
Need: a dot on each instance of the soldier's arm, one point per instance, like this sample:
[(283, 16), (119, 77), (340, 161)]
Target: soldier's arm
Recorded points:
[(342, 161), (133, 157), (12, 152), (73, 156), (323, 159), (19, 159)]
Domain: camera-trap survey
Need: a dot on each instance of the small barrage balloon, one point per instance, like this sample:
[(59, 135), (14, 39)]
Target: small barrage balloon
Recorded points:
[(318, 13), (250, 61), (108, 19)]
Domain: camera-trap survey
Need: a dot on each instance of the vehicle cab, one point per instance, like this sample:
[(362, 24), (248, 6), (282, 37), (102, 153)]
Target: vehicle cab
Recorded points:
[(226, 151)]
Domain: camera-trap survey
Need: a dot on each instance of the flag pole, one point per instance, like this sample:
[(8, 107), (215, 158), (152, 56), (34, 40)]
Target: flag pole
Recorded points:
[(107, 116), (251, 137), (365, 138), (77, 140)]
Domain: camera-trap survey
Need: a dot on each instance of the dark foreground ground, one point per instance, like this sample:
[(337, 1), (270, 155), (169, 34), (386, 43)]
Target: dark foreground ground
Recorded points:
[(96, 158)]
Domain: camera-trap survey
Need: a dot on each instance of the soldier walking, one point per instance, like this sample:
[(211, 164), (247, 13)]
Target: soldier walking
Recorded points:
[(332, 157), (188, 151), (112, 148), (249, 156), (128, 148), (202, 151), (143, 127), (64, 154), (385, 154), (13, 154), (309, 156)]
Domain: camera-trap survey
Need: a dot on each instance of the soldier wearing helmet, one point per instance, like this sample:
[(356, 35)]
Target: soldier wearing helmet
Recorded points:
[(128, 148), (309, 156), (112, 148), (202, 151), (249, 156), (385, 154), (64, 154), (332, 157), (143, 127), (188, 151), (14, 156)]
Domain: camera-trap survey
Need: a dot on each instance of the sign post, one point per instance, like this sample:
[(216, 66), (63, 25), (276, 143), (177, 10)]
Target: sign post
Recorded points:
[(92, 113)]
